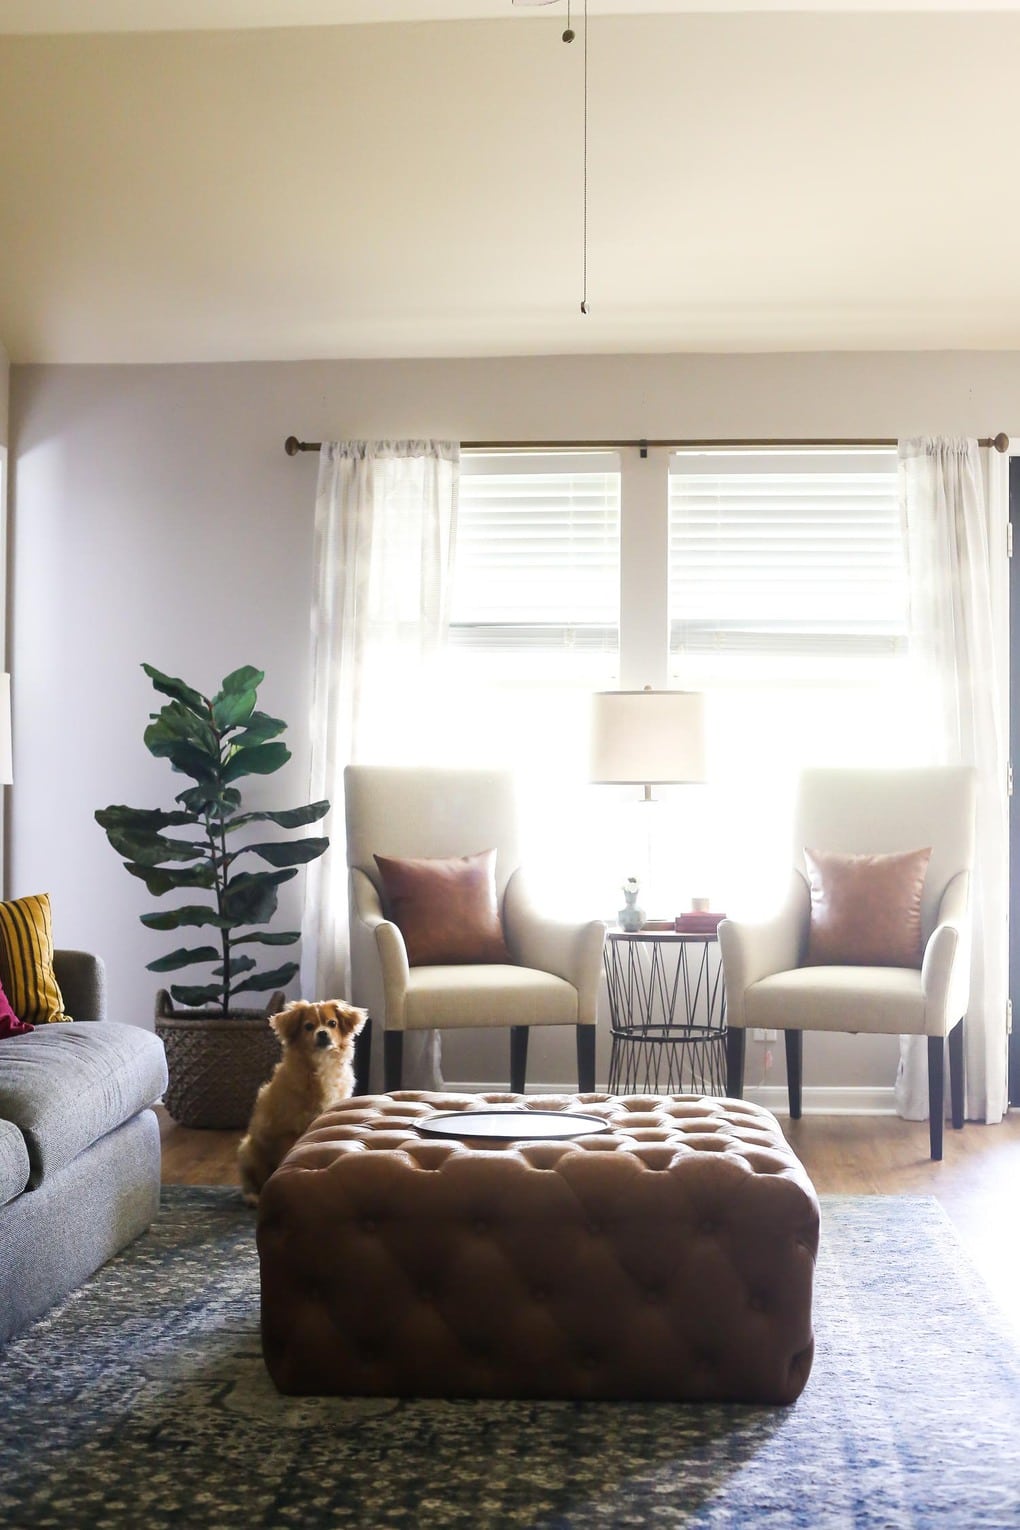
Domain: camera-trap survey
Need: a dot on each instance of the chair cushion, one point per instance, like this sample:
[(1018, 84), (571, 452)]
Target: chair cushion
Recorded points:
[(866, 909), (14, 1165), (26, 960), (865, 1000), (65, 1086), (447, 909), (488, 995)]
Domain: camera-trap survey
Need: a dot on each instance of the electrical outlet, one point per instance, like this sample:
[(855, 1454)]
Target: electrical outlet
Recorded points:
[(757, 1035)]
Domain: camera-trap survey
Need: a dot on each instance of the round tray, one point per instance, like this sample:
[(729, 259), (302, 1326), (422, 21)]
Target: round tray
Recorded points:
[(512, 1125)]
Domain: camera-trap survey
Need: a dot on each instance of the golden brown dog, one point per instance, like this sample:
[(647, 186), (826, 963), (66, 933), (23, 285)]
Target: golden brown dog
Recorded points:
[(314, 1071)]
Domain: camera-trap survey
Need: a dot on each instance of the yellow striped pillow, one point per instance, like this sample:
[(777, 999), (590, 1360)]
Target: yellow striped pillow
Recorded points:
[(26, 960)]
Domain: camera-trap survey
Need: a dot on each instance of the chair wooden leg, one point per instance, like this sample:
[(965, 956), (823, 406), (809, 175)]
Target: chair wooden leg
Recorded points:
[(736, 1046), (956, 1073), (936, 1092), (586, 1059), (518, 1058), (363, 1057), (393, 1060), (794, 1070)]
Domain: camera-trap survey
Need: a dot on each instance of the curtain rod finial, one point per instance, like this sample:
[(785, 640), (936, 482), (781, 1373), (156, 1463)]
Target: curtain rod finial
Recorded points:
[(292, 446), (1001, 442)]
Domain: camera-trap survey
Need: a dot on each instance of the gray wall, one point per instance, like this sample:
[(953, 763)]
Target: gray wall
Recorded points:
[(155, 516)]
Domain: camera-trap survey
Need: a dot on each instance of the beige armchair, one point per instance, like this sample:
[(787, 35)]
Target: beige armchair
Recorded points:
[(553, 974), (768, 983)]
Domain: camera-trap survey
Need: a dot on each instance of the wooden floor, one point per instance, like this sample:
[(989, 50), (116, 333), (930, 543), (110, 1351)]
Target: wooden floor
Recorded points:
[(977, 1182)]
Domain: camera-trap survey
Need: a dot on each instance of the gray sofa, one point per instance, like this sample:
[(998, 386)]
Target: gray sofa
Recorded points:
[(79, 1145)]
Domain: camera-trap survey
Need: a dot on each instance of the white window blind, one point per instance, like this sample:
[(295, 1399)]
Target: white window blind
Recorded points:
[(793, 554), (537, 564)]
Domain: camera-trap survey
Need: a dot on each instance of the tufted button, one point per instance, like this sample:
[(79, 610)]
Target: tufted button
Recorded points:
[(709, 1226), (653, 1295), (757, 1302), (590, 1362), (480, 1225), (595, 1227), (368, 1224), (540, 1294)]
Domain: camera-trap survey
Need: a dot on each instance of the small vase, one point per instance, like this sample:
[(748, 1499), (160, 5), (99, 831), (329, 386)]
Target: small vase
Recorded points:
[(630, 917)]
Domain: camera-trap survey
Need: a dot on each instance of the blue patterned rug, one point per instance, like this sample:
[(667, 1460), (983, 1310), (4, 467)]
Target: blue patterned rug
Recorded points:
[(141, 1402)]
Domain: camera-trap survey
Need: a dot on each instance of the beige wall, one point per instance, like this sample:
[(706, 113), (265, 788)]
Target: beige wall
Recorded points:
[(156, 517)]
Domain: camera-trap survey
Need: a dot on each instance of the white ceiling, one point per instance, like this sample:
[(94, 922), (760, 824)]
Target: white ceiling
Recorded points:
[(757, 181)]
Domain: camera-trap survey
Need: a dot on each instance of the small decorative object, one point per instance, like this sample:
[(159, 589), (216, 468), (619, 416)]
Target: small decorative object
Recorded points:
[(630, 917), (216, 742)]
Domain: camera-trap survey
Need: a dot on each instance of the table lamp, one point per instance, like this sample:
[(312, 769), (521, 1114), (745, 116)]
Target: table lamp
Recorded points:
[(647, 738)]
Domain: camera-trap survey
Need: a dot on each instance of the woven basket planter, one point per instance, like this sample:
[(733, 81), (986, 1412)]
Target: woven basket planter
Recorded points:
[(216, 1062)]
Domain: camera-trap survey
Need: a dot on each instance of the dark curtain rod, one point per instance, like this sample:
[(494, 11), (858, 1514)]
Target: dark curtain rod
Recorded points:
[(292, 445)]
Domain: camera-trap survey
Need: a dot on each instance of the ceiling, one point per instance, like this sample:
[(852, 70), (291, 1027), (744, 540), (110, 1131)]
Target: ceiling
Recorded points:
[(757, 179)]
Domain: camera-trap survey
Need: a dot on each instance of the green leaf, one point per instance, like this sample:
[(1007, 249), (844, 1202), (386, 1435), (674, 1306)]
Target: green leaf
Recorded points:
[(290, 818), (266, 980), (160, 882), (185, 956), (262, 760), (244, 679), (178, 690), (236, 964), (212, 993), (285, 938), (209, 799), (190, 914), (260, 727), (147, 849), (189, 759), (177, 722), (250, 897), (117, 816), (230, 711), (297, 853)]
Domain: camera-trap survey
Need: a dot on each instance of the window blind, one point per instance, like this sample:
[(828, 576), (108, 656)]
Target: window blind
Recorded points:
[(786, 554), (537, 563)]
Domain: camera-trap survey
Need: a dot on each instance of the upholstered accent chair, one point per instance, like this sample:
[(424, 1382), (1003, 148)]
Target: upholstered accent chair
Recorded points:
[(801, 972), (550, 974)]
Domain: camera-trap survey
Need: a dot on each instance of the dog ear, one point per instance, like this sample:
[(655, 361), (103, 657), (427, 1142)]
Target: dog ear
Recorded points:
[(289, 1021), (350, 1020)]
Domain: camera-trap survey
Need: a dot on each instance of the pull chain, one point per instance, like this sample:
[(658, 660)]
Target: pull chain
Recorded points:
[(568, 37)]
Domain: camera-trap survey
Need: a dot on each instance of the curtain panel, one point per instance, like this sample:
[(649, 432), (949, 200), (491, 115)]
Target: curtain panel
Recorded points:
[(385, 523), (955, 508)]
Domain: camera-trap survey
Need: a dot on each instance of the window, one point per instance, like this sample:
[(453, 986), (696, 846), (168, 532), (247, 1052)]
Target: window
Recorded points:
[(788, 607), (534, 629)]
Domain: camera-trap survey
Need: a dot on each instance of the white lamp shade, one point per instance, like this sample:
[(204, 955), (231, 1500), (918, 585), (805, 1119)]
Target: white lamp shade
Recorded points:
[(648, 737), (6, 763)]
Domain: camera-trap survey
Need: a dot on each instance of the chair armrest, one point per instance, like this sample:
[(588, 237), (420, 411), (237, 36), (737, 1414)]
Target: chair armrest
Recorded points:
[(752, 951), (379, 967), (945, 966), (81, 978), (572, 951)]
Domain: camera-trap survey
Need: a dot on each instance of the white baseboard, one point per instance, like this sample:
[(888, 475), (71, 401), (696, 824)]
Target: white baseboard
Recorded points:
[(816, 1100)]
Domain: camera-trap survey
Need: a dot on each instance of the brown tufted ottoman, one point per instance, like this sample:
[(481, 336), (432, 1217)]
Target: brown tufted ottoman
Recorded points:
[(671, 1257)]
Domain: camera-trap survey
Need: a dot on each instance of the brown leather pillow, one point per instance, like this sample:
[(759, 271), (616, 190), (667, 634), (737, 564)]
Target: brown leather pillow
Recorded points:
[(865, 909), (446, 910)]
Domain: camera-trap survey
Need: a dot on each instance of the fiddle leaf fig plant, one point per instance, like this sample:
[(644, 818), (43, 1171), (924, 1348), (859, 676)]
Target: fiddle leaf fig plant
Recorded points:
[(216, 741)]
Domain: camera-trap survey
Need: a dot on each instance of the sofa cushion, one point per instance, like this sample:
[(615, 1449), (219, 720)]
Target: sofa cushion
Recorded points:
[(446, 909), (14, 1164), (66, 1086), (26, 960)]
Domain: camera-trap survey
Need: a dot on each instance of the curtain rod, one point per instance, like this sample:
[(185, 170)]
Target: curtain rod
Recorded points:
[(1001, 443)]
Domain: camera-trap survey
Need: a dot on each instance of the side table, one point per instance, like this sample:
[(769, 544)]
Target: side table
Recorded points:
[(667, 1006)]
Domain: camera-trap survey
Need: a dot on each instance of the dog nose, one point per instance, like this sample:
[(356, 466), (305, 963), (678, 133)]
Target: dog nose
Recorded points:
[(322, 1038)]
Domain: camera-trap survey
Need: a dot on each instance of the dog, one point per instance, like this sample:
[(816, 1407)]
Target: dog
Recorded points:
[(315, 1071)]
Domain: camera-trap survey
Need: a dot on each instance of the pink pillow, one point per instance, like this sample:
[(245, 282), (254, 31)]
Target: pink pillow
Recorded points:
[(10, 1025)]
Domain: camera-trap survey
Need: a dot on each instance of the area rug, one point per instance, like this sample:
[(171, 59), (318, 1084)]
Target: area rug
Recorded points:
[(142, 1401)]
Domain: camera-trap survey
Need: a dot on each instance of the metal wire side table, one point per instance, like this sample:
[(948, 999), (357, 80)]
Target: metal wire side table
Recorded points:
[(667, 1006)]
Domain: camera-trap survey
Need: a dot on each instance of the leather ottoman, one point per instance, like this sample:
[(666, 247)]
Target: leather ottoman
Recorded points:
[(671, 1257)]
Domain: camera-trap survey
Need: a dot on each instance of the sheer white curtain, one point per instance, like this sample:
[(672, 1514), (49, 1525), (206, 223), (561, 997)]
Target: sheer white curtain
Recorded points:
[(955, 508), (385, 521)]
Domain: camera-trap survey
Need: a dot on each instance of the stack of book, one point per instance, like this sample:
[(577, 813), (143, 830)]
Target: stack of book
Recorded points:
[(699, 923)]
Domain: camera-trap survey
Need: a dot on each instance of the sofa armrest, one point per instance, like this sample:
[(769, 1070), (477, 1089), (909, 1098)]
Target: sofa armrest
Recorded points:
[(945, 966), (379, 966), (81, 977), (572, 951), (752, 951)]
